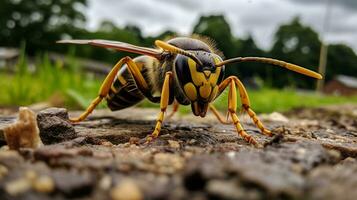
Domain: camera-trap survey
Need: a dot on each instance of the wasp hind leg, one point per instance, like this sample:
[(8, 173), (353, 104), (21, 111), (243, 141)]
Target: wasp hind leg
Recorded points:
[(163, 105), (218, 114), (107, 83), (175, 108)]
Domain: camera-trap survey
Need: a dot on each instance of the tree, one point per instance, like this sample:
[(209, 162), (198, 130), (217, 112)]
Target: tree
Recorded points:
[(298, 44), (341, 59), (39, 22), (247, 47), (217, 28)]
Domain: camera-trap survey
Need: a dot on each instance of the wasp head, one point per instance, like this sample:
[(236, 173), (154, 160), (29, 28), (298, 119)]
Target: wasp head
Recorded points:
[(199, 83)]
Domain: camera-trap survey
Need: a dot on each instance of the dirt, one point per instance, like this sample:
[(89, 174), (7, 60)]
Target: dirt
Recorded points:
[(312, 156)]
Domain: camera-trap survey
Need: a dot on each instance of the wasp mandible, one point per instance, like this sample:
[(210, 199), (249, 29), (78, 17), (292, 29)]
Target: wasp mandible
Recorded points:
[(184, 71)]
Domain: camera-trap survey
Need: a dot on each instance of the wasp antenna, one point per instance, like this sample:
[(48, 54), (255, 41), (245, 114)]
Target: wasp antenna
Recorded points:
[(176, 50), (275, 62)]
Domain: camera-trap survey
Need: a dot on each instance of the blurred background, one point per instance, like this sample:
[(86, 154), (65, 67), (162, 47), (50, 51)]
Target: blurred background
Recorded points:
[(317, 34)]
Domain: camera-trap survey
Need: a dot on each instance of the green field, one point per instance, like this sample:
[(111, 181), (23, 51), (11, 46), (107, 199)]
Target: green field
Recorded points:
[(269, 100), (70, 88), (51, 82)]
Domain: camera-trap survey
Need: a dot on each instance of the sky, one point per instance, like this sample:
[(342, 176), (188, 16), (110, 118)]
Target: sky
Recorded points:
[(261, 18)]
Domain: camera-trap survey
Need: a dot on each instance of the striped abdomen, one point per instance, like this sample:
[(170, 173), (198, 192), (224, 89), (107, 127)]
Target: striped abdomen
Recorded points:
[(124, 92)]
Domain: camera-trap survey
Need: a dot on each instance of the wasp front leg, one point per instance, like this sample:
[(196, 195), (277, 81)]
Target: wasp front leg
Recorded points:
[(165, 93), (246, 106), (232, 109), (245, 102), (233, 82)]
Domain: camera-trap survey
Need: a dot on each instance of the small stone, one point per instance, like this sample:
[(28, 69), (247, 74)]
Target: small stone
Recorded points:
[(127, 189), (174, 144), (3, 171), (187, 154), (134, 140), (105, 182), (44, 184), (18, 186), (31, 175), (225, 189), (274, 117), (168, 163), (54, 125), (74, 183), (24, 132), (231, 154), (334, 155), (106, 144), (49, 152), (10, 158), (192, 141)]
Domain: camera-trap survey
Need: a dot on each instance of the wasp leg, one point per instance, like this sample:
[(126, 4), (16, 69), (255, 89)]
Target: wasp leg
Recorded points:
[(232, 108), (218, 115), (163, 105), (245, 102), (175, 107), (246, 106), (107, 83)]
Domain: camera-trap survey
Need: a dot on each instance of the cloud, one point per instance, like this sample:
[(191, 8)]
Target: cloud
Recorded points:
[(261, 18), (349, 4)]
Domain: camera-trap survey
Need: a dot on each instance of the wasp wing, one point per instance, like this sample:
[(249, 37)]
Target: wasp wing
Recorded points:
[(120, 46)]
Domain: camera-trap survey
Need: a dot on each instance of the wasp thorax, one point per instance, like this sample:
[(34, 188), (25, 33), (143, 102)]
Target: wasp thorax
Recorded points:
[(199, 82)]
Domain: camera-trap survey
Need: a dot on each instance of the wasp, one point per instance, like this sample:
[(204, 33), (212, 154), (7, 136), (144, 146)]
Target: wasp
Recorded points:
[(180, 71)]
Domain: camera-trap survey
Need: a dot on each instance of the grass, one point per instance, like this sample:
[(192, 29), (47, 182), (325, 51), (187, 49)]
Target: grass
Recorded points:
[(49, 82), (73, 89), (269, 100)]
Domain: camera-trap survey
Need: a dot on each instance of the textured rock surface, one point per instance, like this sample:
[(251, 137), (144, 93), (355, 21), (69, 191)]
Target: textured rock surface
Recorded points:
[(313, 156), (54, 125)]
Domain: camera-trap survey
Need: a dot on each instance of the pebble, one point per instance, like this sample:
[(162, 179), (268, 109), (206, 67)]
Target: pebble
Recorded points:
[(3, 171), (274, 117), (106, 144), (105, 182), (168, 162), (31, 175), (231, 154), (44, 184), (225, 189), (127, 189), (18, 186), (174, 144)]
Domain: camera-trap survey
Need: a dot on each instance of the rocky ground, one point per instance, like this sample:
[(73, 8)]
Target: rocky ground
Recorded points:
[(312, 156)]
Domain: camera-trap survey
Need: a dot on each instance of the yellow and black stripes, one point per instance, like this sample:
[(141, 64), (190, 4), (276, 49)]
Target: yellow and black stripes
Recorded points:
[(123, 95), (103, 91), (131, 84)]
